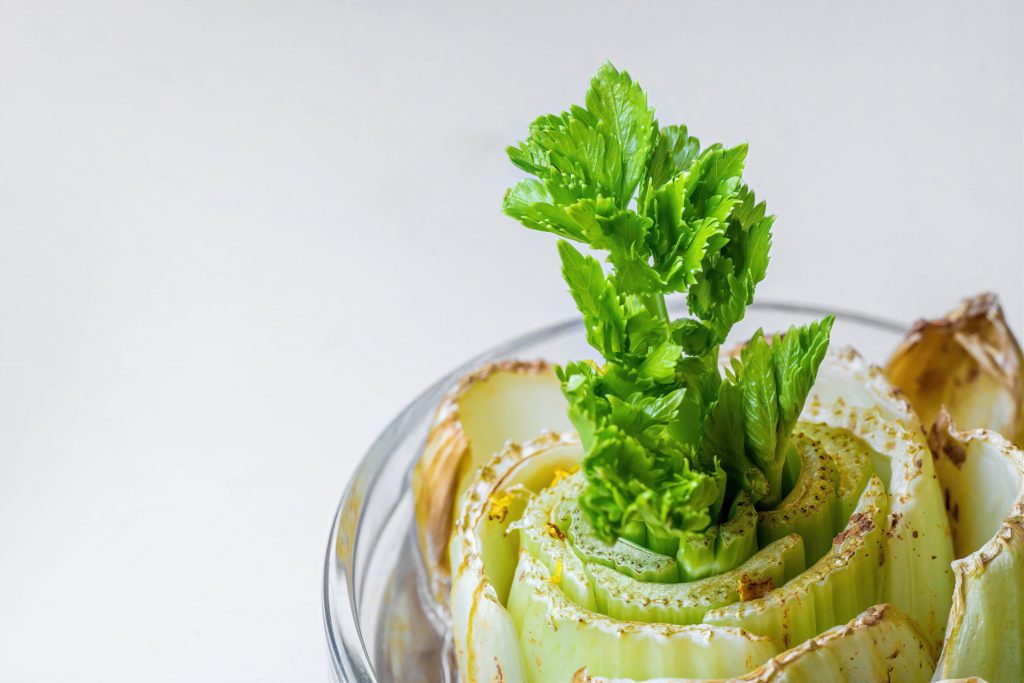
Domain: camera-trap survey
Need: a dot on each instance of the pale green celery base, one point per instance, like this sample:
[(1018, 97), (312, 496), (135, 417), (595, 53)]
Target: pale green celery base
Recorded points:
[(811, 508), (722, 547), (636, 532), (558, 639), (919, 547), (837, 587), (550, 631), (536, 528), (791, 469), (661, 542), (696, 555), (853, 459), (918, 577), (622, 555), (519, 471), (737, 538), (622, 597), (484, 636)]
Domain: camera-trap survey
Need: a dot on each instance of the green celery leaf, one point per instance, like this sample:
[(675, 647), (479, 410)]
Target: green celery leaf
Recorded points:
[(596, 299), (796, 358), (673, 152), (619, 105), (664, 434)]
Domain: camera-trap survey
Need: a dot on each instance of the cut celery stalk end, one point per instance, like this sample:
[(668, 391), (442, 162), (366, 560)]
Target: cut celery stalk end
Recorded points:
[(696, 555), (623, 555), (636, 531), (498, 498), (660, 541), (542, 538), (853, 459), (559, 638), (880, 644), (811, 507), (721, 547), (621, 597), (837, 587), (737, 538)]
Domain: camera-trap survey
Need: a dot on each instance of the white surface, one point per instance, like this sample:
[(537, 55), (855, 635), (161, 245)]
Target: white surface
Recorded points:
[(238, 236)]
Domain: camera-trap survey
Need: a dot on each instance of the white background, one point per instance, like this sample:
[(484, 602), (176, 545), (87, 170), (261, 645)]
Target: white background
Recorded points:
[(236, 237)]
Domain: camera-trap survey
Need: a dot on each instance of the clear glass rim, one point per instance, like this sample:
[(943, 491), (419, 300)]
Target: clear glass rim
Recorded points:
[(350, 660)]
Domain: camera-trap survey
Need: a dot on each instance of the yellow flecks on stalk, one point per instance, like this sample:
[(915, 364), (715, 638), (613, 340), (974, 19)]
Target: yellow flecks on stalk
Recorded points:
[(554, 532), (556, 576), (499, 507), (561, 474)]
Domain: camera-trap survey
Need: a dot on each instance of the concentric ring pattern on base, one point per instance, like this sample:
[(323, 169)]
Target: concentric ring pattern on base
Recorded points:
[(378, 628)]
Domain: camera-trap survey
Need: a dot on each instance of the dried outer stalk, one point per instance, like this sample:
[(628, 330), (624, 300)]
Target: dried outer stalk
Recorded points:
[(484, 552), (500, 402), (969, 362)]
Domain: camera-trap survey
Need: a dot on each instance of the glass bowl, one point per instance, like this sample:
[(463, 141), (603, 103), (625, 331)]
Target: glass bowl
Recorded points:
[(379, 629)]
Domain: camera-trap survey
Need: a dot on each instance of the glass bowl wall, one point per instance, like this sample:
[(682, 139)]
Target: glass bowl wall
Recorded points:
[(379, 630)]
